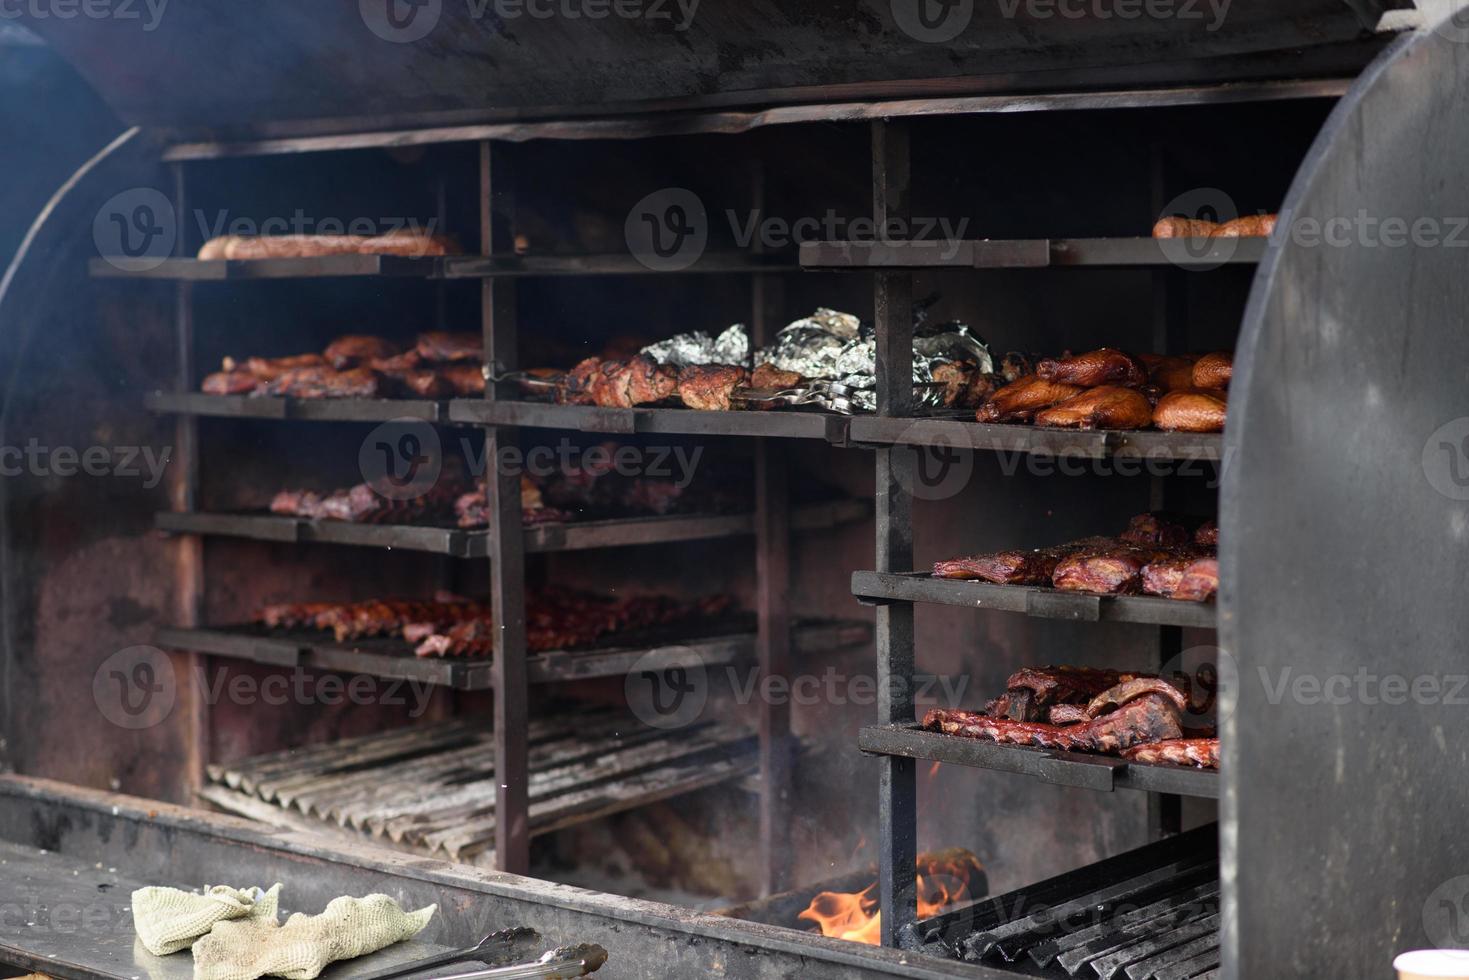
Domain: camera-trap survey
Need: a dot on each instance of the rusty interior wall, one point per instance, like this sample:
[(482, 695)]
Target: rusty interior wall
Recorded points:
[(92, 579)]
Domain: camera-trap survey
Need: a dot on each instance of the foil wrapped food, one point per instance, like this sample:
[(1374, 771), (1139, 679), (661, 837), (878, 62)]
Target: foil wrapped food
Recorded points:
[(836, 355)]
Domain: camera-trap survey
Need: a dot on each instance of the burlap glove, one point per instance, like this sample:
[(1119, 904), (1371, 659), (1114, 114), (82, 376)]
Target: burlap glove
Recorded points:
[(299, 950), (169, 920)]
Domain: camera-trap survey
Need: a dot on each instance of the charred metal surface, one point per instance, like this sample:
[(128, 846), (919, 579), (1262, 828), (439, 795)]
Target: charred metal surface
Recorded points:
[(448, 61), (1346, 444), (161, 844)]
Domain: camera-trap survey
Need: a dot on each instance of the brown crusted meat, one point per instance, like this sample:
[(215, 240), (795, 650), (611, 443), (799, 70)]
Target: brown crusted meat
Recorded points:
[(1150, 718), (1014, 366), (955, 376), (1183, 228), (1191, 410), (768, 377), (1107, 407), (1169, 372), (270, 368), (1249, 226), (404, 241), (465, 379), (326, 382), (1155, 529), (230, 383), (1016, 567), (1207, 536), (1214, 370), (1093, 369), (1130, 690), (709, 387), (1162, 578), (443, 346), (1200, 581), (1020, 400), (355, 349), (1202, 753), (1113, 571)]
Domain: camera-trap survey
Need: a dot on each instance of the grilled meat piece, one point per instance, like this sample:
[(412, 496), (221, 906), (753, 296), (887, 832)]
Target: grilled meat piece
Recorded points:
[(982, 388), (230, 383), (1032, 691), (326, 382), (1207, 536), (1016, 567), (443, 346), (1149, 718), (709, 387), (1014, 366), (1249, 226), (1020, 400), (955, 377), (768, 377), (1130, 690), (464, 379), (270, 368), (1107, 407), (1093, 369), (1156, 530), (648, 381), (1200, 581), (1183, 228), (408, 360), (356, 349), (1112, 571), (1191, 410), (1202, 753), (1214, 370), (1162, 578), (1169, 372), (404, 241), (1067, 714)]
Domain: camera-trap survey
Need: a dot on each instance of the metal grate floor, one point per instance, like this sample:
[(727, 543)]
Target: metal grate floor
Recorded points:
[(431, 790)]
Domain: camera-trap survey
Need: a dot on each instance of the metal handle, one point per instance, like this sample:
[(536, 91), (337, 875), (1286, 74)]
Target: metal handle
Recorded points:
[(556, 964)]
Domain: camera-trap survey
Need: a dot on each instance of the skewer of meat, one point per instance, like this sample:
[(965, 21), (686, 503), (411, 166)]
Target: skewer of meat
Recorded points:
[(1149, 718)]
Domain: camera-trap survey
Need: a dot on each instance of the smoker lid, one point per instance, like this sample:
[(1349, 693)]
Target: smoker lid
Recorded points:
[(224, 66)]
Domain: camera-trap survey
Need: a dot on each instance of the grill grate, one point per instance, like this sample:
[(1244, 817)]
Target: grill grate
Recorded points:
[(431, 790), (1149, 914)]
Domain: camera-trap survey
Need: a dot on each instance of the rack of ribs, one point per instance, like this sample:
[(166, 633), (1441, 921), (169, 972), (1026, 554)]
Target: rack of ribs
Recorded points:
[(1111, 571), (1015, 567), (1202, 753), (1030, 691), (1148, 717)]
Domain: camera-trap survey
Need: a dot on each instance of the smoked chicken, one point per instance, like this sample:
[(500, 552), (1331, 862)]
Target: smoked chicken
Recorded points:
[(1094, 368), (1020, 400), (1190, 410), (1107, 407), (1213, 370)]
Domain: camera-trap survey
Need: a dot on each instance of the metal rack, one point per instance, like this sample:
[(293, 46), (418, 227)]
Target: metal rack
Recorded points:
[(895, 588)]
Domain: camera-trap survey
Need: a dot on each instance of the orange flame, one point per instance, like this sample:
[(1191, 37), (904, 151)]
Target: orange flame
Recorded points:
[(943, 880)]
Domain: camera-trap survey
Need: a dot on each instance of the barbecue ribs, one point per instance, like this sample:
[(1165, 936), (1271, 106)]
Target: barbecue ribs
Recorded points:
[(1202, 753)]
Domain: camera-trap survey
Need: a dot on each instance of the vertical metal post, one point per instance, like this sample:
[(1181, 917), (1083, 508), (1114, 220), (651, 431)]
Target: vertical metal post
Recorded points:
[(772, 598), (1170, 336), (896, 470), (183, 491), (507, 544)]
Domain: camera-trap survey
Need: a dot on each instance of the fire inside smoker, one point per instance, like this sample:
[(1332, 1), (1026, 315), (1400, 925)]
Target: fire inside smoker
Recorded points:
[(944, 879)]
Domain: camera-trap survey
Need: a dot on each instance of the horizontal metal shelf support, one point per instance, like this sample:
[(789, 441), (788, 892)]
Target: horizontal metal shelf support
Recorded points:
[(461, 543), (392, 658), (1033, 253), (880, 587), (1097, 772)]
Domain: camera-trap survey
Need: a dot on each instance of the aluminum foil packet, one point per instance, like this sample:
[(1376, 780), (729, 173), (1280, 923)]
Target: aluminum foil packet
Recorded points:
[(730, 347)]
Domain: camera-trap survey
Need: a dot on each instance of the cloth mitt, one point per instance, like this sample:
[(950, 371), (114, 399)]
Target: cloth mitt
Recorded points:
[(169, 919), (244, 949)]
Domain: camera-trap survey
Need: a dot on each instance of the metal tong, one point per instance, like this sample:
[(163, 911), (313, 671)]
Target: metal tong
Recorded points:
[(557, 964), (507, 946)]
